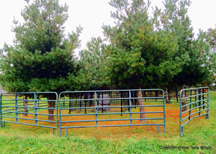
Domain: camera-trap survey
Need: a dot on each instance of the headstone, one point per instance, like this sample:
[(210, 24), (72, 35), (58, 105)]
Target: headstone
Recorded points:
[(104, 103)]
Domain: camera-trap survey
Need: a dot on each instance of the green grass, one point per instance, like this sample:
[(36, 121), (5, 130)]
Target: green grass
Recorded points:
[(199, 136)]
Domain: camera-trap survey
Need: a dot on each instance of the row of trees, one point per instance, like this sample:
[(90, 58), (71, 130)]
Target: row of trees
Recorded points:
[(144, 50)]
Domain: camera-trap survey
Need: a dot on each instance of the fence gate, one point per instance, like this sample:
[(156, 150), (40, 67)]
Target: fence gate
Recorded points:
[(194, 102), (111, 108), (30, 108)]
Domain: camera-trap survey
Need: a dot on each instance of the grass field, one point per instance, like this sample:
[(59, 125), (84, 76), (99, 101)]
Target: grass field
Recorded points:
[(199, 137)]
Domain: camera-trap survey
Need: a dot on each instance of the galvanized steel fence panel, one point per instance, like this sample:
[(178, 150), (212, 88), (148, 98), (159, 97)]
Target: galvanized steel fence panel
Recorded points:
[(197, 104), (27, 108), (109, 108)]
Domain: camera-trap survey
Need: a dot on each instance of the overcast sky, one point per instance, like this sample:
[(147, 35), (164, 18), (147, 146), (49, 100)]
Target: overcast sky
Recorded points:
[(91, 14)]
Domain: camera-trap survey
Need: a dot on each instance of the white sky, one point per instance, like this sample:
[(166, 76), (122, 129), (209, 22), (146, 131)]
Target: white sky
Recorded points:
[(91, 14)]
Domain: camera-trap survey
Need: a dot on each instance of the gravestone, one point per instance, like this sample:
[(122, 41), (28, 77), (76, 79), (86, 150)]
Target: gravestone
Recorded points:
[(104, 103)]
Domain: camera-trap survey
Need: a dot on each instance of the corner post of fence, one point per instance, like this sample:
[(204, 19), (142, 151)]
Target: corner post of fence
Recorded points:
[(96, 122), (207, 115), (130, 107), (16, 107), (1, 110)]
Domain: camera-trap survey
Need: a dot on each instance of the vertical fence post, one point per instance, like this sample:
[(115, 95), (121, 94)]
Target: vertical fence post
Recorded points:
[(190, 105), (135, 95), (102, 102), (130, 107), (132, 95), (164, 112), (128, 101), (195, 97), (35, 107), (121, 102), (1, 110), (16, 108), (85, 97), (207, 115), (203, 97), (181, 130), (96, 123), (199, 100), (70, 103), (59, 114)]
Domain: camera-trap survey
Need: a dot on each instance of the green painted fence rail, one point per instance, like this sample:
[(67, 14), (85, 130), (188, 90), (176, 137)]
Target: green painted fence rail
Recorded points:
[(197, 103)]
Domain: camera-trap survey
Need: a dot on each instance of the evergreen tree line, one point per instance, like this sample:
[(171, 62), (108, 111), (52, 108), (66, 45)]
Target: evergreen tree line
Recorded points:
[(144, 50)]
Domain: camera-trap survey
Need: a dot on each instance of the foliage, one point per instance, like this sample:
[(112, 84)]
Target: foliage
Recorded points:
[(141, 55), (42, 57), (198, 68), (92, 61), (211, 37)]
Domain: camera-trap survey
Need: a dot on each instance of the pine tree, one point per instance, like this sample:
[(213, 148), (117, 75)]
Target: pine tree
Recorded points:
[(42, 56), (198, 58), (141, 53), (92, 61), (211, 38)]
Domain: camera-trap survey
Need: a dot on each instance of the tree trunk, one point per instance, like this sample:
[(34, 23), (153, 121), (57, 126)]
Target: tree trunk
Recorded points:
[(142, 115), (51, 104), (25, 104), (166, 96), (184, 100)]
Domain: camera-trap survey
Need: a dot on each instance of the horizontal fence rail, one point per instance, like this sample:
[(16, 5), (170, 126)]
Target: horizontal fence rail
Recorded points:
[(111, 108), (193, 105), (30, 108)]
